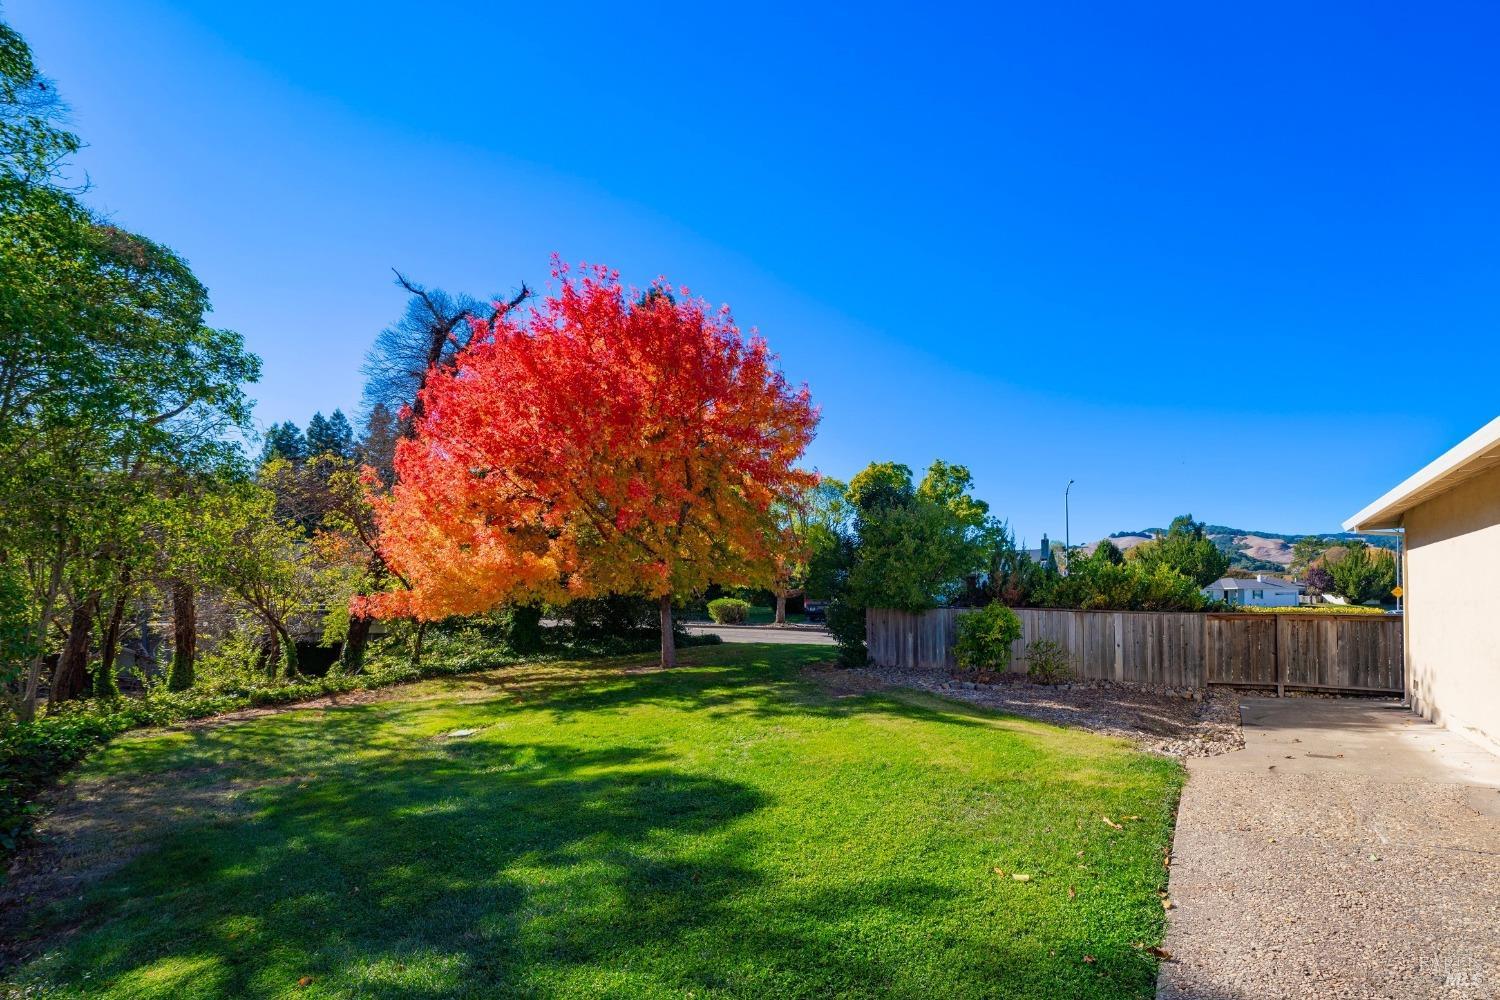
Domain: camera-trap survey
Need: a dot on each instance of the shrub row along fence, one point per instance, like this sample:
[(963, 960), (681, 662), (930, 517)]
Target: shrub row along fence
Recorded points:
[(1350, 653)]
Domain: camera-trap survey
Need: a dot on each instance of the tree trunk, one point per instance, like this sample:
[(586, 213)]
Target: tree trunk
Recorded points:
[(72, 675), (668, 638), (106, 683), (781, 608), (352, 659), (26, 708), (416, 644), (184, 636), (288, 653)]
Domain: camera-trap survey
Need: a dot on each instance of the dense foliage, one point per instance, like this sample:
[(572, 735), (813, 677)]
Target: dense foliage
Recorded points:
[(1184, 549), (598, 446), (728, 610), (1363, 575), (985, 637)]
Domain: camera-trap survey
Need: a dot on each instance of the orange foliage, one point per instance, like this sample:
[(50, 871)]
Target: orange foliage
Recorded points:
[(596, 445)]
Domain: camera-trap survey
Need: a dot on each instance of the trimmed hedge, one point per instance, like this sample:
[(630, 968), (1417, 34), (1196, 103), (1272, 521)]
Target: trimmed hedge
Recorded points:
[(728, 610), (1304, 609)]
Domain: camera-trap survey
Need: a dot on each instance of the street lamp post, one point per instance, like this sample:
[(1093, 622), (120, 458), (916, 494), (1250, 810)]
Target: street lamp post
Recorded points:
[(1067, 527)]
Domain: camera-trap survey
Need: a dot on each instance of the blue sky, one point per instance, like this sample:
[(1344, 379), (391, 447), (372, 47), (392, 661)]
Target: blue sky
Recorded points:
[(1243, 262)]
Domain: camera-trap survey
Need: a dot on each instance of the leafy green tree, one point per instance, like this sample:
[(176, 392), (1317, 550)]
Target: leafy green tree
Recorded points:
[(830, 542), (109, 373), (263, 562), (951, 485), (880, 485), (1364, 574), (916, 546), (33, 141), (1108, 552), (1186, 549)]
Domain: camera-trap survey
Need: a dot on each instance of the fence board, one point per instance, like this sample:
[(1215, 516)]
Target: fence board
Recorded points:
[(1177, 649)]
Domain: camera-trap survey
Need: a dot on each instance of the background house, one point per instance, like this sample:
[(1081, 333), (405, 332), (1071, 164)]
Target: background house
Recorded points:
[(1264, 591), (1450, 515)]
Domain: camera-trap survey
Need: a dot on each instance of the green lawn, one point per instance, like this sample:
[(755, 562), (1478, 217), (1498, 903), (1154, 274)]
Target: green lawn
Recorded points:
[(724, 829)]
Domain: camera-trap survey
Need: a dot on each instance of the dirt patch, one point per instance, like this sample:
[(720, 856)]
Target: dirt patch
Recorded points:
[(1160, 722)]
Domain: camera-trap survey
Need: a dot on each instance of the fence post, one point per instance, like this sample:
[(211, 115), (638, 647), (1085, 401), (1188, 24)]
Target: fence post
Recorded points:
[(1119, 646), (1276, 657)]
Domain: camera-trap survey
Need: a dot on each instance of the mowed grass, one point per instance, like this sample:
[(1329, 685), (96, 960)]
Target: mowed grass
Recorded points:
[(728, 828)]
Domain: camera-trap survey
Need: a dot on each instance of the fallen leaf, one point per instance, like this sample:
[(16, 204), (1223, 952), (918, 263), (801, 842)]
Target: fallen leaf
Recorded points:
[(305, 982), (1166, 861), (1089, 959), (1167, 904), (1112, 823), (1161, 953), (999, 871), (1072, 892)]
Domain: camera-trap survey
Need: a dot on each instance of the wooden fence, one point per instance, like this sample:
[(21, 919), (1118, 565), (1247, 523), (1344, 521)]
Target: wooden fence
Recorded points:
[(1358, 653)]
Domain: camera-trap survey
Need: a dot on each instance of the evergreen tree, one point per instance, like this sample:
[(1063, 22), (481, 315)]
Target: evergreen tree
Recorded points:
[(377, 448), (284, 440), (330, 436)]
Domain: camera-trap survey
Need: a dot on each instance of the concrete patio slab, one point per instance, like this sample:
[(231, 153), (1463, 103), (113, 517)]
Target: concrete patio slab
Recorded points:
[(1351, 850)]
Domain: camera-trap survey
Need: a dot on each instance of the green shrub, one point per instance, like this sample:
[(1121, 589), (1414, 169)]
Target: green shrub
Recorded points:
[(1303, 609), (729, 610), (1047, 662), (985, 636), (1136, 585), (846, 622)]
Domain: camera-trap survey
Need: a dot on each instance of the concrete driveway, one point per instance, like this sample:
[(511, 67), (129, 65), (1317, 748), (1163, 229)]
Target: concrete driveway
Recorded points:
[(1350, 850)]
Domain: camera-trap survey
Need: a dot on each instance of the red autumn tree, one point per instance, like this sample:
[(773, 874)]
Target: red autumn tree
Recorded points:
[(601, 444)]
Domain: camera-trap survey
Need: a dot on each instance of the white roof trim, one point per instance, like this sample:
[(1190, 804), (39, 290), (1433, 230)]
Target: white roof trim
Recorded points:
[(1471, 455)]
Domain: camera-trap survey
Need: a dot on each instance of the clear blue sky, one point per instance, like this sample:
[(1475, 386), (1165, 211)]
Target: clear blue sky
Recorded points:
[(1242, 261)]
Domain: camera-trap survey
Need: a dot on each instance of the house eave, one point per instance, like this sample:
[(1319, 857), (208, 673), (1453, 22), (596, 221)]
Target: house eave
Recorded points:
[(1474, 454)]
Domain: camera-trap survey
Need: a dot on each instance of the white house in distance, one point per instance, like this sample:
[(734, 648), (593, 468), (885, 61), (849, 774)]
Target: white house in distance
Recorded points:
[(1449, 513), (1264, 591)]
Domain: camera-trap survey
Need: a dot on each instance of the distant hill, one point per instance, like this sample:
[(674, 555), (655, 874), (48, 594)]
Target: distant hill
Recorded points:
[(1270, 551)]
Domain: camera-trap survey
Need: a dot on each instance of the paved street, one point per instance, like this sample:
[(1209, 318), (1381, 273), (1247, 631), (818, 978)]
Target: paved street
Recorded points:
[(807, 635)]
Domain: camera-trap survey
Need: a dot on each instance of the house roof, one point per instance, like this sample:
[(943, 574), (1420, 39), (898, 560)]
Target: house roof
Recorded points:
[(1474, 454), (1268, 583)]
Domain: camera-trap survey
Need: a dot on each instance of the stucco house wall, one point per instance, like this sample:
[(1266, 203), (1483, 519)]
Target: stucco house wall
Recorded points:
[(1453, 607)]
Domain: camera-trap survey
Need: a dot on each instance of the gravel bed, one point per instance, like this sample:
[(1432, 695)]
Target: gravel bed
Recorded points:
[(1175, 722)]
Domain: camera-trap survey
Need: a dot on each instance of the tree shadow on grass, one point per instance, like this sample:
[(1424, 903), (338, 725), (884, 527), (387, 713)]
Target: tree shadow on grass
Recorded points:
[(493, 869), (380, 860)]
